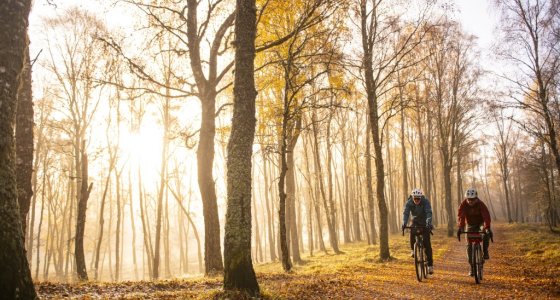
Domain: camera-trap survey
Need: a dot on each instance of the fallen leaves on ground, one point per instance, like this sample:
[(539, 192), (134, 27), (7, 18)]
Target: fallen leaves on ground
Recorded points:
[(524, 264)]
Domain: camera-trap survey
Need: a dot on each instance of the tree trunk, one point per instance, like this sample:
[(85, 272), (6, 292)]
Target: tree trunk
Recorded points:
[(70, 199), (162, 188), (354, 195), (309, 210), (132, 226), (41, 216), (284, 252), (24, 142), (343, 208), (423, 157), (258, 244), (205, 158), (205, 152), (38, 157), (49, 239), (369, 185), (291, 199), (391, 187), (447, 187), (166, 237), (459, 180), (195, 231), (118, 227), (59, 249), (330, 207), (506, 190), (519, 191), (81, 217), (318, 181), (198, 244), (430, 175), (292, 225), (145, 226), (107, 251), (102, 220), (372, 102), (358, 185), (183, 246), (486, 189), (312, 197), (380, 186), (404, 159), (270, 223), (299, 221), (345, 201), (15, 276), (238, 272)]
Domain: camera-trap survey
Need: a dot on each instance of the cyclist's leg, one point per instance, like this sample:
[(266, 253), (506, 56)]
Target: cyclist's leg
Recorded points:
[(485, 244), (469, 253), (428, 247), (412, 239), (469, 246)]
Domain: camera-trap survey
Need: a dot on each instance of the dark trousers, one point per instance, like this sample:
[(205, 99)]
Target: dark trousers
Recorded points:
[(427, 244), (485, 241)]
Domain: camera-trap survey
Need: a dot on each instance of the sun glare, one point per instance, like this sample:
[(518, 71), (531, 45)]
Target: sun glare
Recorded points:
[(142, 149)]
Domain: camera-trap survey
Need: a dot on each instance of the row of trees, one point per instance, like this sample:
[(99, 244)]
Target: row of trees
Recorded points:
[(345, 94)]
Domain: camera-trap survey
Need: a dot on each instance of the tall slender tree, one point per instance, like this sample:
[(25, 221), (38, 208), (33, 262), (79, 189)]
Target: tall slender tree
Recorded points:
[(238, 272), (15, 276), (74, 60), (24, 141), (452, 83), (385, 49), (504, 149)]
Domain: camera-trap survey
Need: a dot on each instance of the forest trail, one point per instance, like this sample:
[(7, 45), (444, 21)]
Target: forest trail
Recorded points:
[(524, 264), (506, 276)]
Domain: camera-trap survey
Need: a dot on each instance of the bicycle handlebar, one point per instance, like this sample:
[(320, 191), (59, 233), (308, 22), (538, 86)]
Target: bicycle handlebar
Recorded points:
[(416, 227)]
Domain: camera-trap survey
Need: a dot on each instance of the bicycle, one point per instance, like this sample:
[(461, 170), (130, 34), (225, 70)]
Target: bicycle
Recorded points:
[(420, 261), (474, 238)]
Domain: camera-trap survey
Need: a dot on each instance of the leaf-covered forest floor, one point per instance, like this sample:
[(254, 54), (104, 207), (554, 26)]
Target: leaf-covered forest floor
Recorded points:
[(524, 263)]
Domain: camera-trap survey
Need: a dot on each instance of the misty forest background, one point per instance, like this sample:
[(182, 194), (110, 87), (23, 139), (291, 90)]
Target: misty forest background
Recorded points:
[(123, 137)]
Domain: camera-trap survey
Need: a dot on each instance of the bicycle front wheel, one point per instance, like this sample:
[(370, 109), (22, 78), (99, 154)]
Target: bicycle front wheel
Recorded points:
[(479, 262), (418, 261), (476, 251)]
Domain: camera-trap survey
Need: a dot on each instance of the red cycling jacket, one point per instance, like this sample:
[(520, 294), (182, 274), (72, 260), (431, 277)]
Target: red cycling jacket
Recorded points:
[(473, 215)]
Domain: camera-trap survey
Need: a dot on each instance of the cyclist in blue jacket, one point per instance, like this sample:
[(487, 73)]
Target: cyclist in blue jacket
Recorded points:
[(419, 207)]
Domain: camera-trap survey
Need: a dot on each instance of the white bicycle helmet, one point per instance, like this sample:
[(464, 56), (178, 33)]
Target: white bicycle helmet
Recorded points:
[(416, 193), (471, 193)]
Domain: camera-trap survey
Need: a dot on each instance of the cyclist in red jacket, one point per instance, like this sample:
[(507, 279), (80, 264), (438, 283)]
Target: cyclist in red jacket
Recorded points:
[(474, 213)]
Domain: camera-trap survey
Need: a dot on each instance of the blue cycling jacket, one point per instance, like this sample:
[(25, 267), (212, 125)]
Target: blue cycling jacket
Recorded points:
[(421, 213)]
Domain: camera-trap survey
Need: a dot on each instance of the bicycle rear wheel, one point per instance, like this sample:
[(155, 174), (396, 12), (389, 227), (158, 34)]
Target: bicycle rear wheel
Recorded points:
[(418, 261)]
